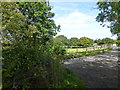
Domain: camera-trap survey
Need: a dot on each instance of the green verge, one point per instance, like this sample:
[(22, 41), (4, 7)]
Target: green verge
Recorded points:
[(69, 55), (70, 80), (67, 79)]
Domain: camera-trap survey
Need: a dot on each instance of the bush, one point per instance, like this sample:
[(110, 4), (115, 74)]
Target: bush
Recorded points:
[(28, 68)]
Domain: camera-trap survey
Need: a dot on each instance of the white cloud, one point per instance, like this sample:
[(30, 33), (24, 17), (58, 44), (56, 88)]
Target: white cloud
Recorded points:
[(78, 24), (75, 20)]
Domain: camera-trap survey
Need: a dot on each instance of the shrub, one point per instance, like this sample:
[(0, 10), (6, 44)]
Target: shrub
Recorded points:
[(28, 68)]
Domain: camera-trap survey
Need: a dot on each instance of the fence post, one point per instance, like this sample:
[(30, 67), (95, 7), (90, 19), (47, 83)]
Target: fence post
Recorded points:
[(94, 48), (86, 50), (76, 49)]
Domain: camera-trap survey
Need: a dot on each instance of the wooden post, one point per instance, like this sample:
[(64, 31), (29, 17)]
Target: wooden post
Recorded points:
[(76, 49), (86, 50), (94, 48)]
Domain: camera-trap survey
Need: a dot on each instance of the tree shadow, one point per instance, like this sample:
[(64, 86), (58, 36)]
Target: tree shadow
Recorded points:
[(97, 74)]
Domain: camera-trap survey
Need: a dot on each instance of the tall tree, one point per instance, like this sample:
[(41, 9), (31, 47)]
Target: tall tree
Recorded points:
[(73, 41), (27, 61), (85, 41), (98, 41), (40, 15), (63, 39), (109, 13), (107, 41)]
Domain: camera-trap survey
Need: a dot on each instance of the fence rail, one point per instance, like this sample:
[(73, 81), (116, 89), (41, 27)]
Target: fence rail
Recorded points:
[(85, 49)]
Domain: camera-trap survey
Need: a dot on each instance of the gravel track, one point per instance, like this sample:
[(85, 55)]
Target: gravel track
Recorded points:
[(99, 71)]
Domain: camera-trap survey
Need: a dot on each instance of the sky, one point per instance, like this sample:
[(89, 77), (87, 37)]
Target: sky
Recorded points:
[(77, 19)]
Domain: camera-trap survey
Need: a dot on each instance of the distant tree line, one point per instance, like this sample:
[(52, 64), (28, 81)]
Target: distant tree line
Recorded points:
[(83, 41)]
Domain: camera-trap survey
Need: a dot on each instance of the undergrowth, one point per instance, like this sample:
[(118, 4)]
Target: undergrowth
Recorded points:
[(70, 80)]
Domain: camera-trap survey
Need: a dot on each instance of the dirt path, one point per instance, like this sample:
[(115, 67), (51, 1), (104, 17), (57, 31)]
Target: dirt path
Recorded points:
[(99, 71)]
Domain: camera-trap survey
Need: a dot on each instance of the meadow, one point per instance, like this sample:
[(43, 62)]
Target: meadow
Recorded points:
[(82, 49), (79, 52)]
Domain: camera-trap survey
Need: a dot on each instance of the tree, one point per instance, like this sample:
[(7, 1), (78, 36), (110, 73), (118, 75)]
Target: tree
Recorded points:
[(63, 39), (109, 13), (28, 62), (58, 47), (85, 41), (118, 41), (108, 41), (12, 21), (105, 41), (73, 41), (39, 14), (99, 41)]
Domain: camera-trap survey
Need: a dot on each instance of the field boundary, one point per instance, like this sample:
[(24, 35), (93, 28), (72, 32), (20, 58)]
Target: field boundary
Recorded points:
[(86, 49)]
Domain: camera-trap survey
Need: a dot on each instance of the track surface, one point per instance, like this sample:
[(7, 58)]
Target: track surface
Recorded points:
[(99, 71)]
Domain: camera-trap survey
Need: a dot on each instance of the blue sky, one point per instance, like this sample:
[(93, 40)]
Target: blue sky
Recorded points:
[(77, 19)]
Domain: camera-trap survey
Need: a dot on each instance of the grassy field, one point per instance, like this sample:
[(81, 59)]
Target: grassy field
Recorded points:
[(84, 49), (72, 54)]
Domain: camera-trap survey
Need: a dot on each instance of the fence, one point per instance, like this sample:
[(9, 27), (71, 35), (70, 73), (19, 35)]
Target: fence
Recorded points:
[(85, 49)]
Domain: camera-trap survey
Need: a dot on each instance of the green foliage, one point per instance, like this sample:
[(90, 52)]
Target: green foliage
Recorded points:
[(28, 61), (40, 15), (73, 41), (85, 41), (70, 80), (30, 68), (57, 48), (118, 41), (98, 41), (109, 12), (63, 39), (105, 41), (12, 23), (58, 42), (31, 58), (108, 41)]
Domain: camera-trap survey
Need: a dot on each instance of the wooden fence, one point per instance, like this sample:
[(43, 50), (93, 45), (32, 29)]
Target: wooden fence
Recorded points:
[(85, 49)]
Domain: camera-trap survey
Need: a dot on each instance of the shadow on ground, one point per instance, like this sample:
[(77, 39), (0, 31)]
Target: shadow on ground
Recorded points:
[(100, 71)]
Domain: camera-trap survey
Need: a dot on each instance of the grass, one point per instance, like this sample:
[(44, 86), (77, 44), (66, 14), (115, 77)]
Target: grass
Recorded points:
[(69, 55), (82, 49), (0, 86), (70, 80)]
